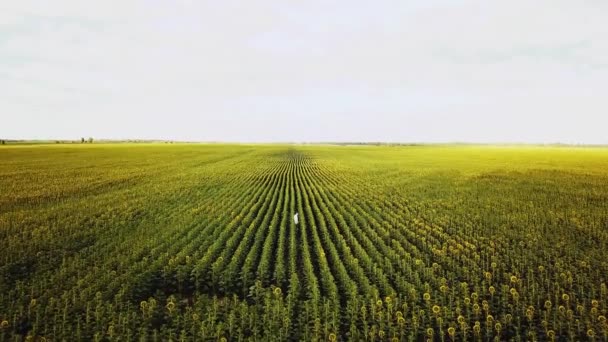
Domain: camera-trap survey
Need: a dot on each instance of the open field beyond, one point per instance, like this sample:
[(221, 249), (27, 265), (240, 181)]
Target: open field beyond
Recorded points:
[(198, 242)]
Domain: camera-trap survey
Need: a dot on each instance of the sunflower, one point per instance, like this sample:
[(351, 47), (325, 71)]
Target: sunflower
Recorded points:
[(436, 309)]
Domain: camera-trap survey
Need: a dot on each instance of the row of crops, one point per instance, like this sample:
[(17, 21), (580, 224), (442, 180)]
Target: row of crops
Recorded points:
[(195, 242)]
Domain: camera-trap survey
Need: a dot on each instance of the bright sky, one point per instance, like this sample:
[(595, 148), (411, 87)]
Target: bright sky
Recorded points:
[(314, 70)]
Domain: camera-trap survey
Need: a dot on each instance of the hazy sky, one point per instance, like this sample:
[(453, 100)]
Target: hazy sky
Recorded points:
[(314, 70)]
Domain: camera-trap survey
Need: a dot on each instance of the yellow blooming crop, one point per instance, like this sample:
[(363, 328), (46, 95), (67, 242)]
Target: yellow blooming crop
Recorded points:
[(383, 243)]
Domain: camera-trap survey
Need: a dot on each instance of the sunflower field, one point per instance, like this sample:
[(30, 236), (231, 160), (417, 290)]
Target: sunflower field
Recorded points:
[(198, 242)]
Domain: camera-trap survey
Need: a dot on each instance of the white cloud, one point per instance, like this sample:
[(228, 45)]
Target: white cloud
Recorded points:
[(432, 70)]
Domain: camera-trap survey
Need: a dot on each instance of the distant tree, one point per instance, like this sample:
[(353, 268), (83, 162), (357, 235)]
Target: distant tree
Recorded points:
[(3, 141), (90, 140), (82, 140), (57, 141)]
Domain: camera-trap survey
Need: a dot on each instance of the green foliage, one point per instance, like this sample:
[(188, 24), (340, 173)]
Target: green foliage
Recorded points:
[(197, 242)]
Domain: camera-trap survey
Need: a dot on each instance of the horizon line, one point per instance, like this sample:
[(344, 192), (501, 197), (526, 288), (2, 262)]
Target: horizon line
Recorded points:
[(398, 143)]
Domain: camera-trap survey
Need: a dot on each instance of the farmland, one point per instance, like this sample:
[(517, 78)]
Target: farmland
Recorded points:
[(198, 242)]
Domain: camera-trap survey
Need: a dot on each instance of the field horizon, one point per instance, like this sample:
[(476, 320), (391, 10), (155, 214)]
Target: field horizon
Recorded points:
[(331, 143)]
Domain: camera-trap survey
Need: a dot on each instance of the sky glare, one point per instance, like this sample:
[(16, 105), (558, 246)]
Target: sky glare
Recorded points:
[(315, 70)]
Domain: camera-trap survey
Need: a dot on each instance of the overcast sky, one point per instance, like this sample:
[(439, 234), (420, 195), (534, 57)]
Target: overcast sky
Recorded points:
[(314, 70)]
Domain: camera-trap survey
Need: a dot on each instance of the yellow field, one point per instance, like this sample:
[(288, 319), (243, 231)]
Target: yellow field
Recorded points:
[(198, 242)]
